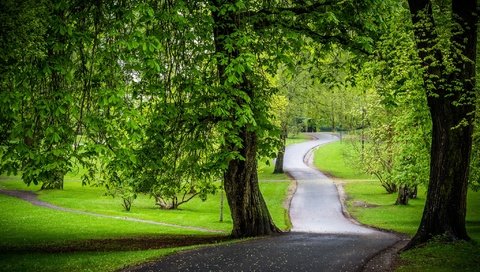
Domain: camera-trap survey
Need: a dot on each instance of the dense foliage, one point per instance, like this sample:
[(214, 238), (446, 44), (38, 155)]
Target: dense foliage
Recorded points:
[(169, 97)]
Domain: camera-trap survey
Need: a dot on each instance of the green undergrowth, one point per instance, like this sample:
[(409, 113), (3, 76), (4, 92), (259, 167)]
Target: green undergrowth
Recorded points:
[(368, 202)]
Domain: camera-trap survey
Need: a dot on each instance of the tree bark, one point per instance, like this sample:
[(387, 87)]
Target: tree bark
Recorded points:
[(406, 192), (452, 117), (248, 209), (281, 152), (403, 195)]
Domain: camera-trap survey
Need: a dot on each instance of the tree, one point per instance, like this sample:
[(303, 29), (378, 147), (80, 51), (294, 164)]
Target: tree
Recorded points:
[(446, 47), (279, 106), (149, 130), (398, 121), (235, 67), (44, 83), (237, 28)]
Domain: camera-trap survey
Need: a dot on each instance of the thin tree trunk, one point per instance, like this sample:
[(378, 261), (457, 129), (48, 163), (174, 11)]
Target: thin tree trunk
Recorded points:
[(412, 192), (445, 208), (221, 205), (403, 194), (281, 152)]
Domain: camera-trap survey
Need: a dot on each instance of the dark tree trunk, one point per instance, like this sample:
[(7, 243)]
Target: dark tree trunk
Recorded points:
[(248, 209), (281, 152), (452, 116), (247, 206), (403, 195), (406, 192)]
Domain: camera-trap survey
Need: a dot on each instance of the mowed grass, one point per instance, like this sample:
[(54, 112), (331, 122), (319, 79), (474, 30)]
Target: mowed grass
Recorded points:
[(79, 261), (331, 159), (24, 226), (381, 212), (195, 213), (297, 138)]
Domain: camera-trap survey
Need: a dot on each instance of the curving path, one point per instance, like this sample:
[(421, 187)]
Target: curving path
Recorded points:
[(316, 205), (322, 239)]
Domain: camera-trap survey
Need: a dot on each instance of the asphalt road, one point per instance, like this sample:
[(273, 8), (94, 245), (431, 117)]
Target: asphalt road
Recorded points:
[(322, 239)]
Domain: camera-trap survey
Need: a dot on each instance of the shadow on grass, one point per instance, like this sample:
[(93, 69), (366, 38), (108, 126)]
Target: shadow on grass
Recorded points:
[(120, 244)]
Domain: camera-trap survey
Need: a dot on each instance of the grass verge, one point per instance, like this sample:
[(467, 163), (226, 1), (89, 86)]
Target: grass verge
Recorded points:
[(368, 202)]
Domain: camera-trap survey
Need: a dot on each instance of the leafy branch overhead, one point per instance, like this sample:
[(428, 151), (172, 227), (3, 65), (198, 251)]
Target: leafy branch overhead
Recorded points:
[(172, 98)]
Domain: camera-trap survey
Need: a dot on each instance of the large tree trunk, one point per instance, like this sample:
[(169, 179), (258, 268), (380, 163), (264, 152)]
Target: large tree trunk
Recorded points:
[(452, 116), (248, 209), (247, 206)]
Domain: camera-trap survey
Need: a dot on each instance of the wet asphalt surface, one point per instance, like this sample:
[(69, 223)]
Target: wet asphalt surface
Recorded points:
[(322, 239)]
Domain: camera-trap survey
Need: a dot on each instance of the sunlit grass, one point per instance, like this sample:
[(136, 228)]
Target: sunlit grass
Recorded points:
[(24, 225), (381, 212), (331, 159)]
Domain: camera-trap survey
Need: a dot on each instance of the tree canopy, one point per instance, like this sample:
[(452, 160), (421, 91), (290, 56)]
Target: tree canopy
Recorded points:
[(170, 98)]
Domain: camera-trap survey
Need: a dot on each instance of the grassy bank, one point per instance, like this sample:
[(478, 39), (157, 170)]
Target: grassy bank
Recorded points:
[(371, 205), (30, 233)]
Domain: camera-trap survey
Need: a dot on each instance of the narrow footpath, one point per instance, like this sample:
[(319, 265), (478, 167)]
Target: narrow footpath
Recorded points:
[(322, 239)]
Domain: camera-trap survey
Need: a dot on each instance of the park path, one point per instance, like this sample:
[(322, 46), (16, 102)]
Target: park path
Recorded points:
[(31, 197), (316, 205), (322, 239)]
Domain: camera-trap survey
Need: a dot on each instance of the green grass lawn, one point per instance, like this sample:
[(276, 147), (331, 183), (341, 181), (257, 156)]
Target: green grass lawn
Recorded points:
[(26, 230), (24, 226), (79, 261), (297, 138), (330, 158), (383, 213)]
